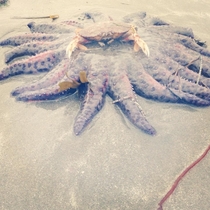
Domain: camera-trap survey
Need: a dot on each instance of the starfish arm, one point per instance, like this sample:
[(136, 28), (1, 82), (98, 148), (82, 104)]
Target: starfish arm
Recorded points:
[(177, 30), (187, 61), (49, 87), (22, 39), (169, 30), (189, 98), (134, 113), (93, 102), (203, 62), (194, 45), (50, 93), (30, 49), (57, 74), (145, 85), (39, 63), (50, 28), (190, 92), (121, 92)]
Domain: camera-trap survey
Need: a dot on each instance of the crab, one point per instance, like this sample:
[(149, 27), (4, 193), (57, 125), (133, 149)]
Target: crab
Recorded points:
[(107, 32)]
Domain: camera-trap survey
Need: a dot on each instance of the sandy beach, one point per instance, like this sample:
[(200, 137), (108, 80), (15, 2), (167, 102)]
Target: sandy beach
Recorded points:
[(112, 165)]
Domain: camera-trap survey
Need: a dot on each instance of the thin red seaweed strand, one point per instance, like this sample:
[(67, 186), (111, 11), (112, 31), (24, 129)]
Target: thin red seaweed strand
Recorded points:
[(168, 194)]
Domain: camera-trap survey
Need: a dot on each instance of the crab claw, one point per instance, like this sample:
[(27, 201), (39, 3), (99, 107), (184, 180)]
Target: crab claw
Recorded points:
[(140, 44), (71, 47)]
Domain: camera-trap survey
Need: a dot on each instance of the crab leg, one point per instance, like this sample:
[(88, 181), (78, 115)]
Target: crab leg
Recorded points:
[(138, 42), (74, 44)]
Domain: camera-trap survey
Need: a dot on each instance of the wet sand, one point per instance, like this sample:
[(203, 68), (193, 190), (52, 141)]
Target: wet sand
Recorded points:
[(112, 165)]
